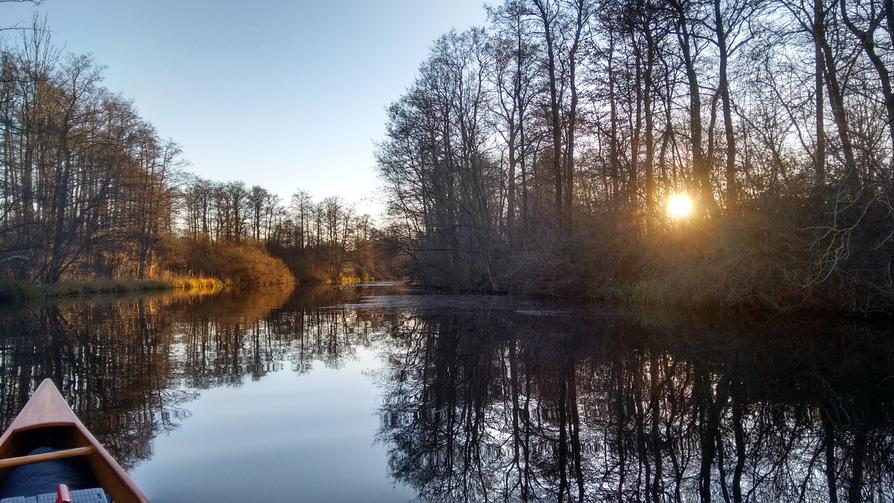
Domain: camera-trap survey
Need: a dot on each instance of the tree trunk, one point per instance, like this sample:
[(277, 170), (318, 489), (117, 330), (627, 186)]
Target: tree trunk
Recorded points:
[(554, 107), (836, 98), (819, 28), (613, 152), (700, 167), (731, 191), (650, 124), (867, 42)]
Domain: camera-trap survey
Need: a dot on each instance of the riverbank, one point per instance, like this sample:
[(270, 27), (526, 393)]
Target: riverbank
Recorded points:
[(746, 263), (12, 292)]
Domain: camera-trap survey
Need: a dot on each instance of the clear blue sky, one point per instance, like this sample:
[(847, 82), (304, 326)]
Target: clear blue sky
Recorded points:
[(278, 93)]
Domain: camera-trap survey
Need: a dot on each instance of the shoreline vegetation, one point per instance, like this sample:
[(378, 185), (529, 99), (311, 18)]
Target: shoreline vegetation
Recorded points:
[(537, 155), (684, 153), (205, 269), (89, 190), (21, 292)]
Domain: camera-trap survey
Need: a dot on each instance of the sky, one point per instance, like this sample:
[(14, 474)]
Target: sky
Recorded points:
[(282, 94)]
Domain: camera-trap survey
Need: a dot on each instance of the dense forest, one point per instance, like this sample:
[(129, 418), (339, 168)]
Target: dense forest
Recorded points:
[(539, 153), (89, 189)]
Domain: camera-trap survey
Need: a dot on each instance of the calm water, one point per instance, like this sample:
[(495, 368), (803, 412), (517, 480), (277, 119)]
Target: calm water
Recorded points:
[(379, 394)]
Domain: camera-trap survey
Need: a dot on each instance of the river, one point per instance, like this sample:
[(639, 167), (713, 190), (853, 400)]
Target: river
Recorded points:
[(383, 393)]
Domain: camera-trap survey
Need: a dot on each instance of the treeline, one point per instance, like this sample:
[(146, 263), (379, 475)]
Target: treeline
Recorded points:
[(84, 180), (326, 240), (89, 189), (538, 153)]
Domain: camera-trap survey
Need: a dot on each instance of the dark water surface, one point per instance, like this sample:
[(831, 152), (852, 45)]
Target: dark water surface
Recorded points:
[(379, 394)]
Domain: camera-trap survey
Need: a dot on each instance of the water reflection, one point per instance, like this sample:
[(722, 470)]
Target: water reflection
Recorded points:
[(491, 399), (484, 406)]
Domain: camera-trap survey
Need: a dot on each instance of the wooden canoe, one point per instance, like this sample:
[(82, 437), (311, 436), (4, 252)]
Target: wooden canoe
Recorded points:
[(46, 420)]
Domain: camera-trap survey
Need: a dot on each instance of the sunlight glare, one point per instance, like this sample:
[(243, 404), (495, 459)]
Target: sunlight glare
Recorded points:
[(679, 206)]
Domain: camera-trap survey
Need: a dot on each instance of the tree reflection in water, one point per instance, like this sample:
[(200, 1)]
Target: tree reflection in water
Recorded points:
[(492, 403), (495, 406)]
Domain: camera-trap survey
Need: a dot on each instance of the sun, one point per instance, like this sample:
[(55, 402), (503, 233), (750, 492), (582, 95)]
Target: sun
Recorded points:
[(679, 206)]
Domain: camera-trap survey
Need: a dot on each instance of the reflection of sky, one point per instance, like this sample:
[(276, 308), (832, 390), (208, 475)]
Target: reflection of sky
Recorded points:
[(285, 437), (281, 93)]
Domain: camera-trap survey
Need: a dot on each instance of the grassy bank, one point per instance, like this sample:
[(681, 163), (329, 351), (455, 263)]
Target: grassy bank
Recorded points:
[(35, 291), (197, 267)]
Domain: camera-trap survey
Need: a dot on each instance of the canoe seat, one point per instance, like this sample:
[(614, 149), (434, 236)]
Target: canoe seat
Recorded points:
[(31, 480), (95, 495)]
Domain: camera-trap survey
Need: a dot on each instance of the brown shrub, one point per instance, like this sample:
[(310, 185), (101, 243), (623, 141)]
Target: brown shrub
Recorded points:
[(243, 265)]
